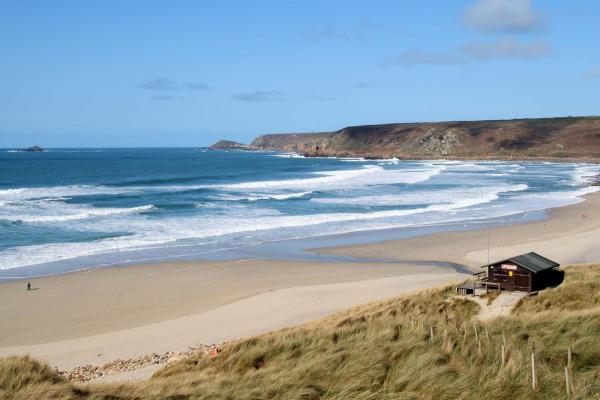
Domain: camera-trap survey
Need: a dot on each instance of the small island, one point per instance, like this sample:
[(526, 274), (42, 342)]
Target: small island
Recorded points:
[(33, 149), (230, 145)]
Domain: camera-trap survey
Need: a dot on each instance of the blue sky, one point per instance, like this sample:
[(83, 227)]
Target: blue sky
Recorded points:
[(187, 73)]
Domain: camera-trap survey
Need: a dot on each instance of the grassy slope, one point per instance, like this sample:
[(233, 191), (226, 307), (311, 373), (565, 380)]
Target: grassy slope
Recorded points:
[(380, 351)]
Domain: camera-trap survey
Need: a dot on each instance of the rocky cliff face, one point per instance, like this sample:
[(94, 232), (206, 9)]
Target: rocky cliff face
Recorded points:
[(526, 138)]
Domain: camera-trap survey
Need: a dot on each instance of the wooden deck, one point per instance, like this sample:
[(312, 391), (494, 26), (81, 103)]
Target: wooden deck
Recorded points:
[(481, 282)]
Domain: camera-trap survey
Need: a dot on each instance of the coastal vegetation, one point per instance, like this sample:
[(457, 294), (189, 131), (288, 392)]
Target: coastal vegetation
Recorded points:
[(428, 345)]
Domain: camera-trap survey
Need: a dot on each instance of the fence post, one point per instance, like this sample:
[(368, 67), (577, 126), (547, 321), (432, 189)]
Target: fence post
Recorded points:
[(431, 334), (569, 357), (567, 381), (503, 357), (533, 379)]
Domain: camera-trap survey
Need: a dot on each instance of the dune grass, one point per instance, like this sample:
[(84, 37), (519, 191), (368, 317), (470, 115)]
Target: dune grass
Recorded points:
[(422, 346)]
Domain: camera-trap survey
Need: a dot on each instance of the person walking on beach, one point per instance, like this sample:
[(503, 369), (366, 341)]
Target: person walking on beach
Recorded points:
[(28, 285)]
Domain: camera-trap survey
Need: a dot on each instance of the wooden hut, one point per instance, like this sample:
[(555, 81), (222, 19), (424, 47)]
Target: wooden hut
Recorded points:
[(525, 273)]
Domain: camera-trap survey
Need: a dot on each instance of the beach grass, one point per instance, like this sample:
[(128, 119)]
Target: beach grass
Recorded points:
[(427, 345)]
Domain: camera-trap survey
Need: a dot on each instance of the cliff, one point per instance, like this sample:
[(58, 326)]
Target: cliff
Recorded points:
[(571, 137)]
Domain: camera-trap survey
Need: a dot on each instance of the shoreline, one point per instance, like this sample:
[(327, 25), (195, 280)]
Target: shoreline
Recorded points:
[(376, 157), (167, 307), (162, 252), (399, 157), (303, 250), (577, 222)]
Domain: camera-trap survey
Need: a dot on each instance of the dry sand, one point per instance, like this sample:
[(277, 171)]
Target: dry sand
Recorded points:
[(96, 316)]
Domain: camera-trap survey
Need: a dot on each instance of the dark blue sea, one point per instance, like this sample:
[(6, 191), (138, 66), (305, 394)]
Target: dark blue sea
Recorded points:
[(66, 209)]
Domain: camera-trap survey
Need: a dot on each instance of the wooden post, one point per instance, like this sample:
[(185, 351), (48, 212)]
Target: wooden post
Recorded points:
[(503, 339), (431, 334), (567, 381), (533, 379), (503, 357), (569, 357)]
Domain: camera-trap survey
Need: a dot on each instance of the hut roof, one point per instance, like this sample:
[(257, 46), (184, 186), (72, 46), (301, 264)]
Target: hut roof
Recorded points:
[(531, 261)]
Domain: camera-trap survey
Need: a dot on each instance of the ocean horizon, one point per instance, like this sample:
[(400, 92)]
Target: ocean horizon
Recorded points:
[(68, 209)]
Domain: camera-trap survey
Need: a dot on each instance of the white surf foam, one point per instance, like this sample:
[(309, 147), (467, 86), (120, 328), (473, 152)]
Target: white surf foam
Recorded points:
[(366, 176), (425, 197), (261, 196), (163, 232), (58, 191), (77, 213), (585, 174), (287, 155), (455, 204)]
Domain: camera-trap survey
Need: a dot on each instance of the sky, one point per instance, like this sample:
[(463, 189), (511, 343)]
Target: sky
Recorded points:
[(127, 73)]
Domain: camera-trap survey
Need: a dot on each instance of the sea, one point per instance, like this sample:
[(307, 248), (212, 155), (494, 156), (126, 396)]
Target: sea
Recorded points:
[(70, 209)]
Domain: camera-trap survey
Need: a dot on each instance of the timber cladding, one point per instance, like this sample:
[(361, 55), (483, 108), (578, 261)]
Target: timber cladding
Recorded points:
[(527, 273)]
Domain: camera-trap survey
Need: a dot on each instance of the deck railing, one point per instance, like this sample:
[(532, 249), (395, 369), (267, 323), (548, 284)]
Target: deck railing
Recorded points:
[(479, 276)]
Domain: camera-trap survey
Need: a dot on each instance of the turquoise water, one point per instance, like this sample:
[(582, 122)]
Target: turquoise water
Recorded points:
[(67, 209)]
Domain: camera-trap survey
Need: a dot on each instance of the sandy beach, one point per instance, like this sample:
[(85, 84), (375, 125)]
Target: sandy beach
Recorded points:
[(97, 316)]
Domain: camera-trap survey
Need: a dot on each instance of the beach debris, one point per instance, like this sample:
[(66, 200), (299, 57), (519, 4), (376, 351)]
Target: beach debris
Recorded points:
[(214, 351), (89, 372)]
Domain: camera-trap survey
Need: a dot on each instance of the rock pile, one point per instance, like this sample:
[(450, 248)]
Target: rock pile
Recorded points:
[(86, 373)]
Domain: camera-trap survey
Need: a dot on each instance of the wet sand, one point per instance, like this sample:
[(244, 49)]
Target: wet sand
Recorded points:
[(570, 235)]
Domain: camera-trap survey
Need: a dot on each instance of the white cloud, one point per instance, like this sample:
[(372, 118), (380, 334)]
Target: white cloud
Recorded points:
[(196, 86), (321, 97), (163, 97), (414, 57), (515, 16), (259, 96), (160, 83), (506, 48), (334, 34), (592, 73)]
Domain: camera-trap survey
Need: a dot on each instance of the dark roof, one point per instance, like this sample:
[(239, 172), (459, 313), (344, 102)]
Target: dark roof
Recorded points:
[(530, 261)]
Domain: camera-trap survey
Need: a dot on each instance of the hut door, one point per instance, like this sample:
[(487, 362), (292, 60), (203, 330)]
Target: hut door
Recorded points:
[(510, 279), (522, 282)]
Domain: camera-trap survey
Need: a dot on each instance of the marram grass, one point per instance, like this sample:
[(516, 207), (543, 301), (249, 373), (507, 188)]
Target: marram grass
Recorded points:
[(383, 350)]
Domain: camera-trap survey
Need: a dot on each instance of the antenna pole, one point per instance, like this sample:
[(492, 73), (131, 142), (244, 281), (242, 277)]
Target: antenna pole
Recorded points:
[(488, 248)]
